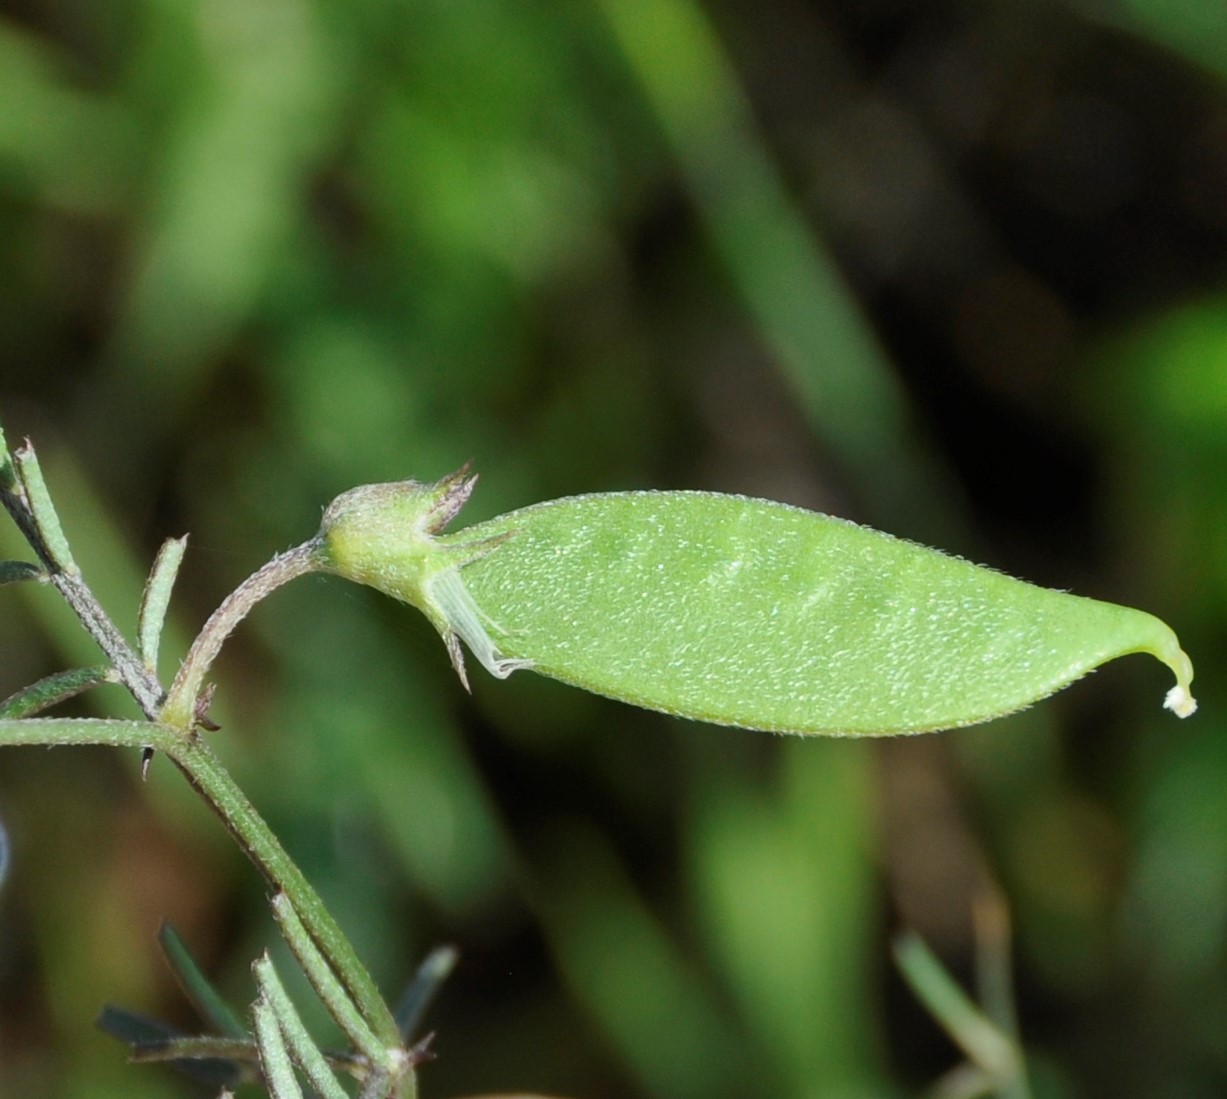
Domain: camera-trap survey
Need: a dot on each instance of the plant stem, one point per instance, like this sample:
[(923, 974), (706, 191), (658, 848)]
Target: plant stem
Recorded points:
[(210, 779), (52, 732), (193, 756), (275, 1061), (331, 991), (55, 688), (302, 1049), (180, 706), (131, 670), (174, 720), (24, 495)]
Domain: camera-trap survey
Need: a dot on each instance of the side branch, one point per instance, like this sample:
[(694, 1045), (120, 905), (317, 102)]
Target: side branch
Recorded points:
[(51, 732)]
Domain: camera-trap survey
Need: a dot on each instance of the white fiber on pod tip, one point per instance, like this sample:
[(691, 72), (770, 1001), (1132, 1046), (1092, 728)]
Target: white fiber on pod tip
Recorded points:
[(1180, 702)]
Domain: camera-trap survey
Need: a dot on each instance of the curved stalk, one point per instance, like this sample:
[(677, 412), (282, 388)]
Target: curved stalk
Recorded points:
[(180, 706)]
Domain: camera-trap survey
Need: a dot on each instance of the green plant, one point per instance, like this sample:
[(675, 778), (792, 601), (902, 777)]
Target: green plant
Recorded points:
[(720, 608)]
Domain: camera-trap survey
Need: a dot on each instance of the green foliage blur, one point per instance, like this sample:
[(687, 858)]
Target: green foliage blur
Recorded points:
[(954, 270)]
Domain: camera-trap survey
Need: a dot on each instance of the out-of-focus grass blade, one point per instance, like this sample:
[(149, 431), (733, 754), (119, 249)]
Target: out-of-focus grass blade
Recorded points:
[(982, 1041), (623, 968), (12, 572), (806, 313), (70, 147), (784, 899), (1190, 27), (422, 989), (241, 130), (995, 979), (196, 986)]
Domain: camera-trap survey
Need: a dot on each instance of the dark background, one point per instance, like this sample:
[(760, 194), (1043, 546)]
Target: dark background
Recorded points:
[(952, 269)]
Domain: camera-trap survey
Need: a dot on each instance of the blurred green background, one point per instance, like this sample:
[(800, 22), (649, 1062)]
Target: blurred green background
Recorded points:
[(956, 270)]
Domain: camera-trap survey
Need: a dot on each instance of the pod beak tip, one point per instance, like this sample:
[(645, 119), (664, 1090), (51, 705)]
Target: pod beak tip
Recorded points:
[(1180, 702)]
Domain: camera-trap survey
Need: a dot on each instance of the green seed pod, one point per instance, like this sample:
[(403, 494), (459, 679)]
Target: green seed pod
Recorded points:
[(733, 610)]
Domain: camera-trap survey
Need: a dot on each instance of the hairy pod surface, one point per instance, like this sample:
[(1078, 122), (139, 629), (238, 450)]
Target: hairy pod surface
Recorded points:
[(745, 612), (751, 613)]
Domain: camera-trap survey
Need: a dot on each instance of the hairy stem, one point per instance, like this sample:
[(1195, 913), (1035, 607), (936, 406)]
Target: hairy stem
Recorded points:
[(49, 732), (25, 497), (133, 674), (213, 782), (331, 991), (174, 717), (180, 706)]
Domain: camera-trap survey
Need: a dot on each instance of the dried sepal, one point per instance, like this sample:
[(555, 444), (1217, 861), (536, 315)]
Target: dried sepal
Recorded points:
[(386, 536)]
